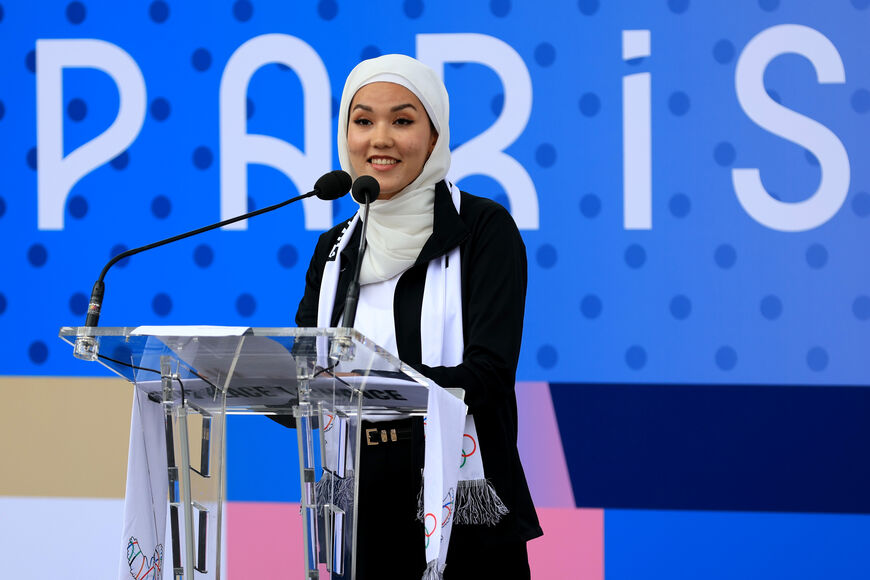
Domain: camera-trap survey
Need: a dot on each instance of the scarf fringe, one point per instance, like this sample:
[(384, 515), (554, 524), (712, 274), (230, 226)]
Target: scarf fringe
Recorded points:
[(337, 491), (433, 571), (476, 503)]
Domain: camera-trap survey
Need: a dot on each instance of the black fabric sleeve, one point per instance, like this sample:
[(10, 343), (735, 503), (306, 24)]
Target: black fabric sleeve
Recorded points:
[(494, 277)]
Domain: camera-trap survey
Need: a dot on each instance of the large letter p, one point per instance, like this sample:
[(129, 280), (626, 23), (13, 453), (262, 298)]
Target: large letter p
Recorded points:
[(58, 174)]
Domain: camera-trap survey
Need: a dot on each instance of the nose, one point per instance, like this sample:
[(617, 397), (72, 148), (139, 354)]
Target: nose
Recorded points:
[(382, 136)]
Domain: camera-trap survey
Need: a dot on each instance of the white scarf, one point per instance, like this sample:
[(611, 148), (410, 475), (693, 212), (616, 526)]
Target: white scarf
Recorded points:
[(399, 227), (455, 489)]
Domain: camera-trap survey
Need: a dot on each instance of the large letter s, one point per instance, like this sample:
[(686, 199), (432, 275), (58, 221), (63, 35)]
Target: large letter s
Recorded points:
[(781, 121)]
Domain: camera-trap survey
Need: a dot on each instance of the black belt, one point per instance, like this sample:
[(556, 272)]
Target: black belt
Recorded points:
[(386, 432)]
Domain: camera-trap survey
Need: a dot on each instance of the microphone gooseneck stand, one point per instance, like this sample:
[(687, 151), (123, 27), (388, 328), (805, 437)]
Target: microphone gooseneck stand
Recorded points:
[(365, 190), (332, 185)]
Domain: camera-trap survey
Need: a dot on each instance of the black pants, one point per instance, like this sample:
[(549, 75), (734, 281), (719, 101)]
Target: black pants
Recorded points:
[(471, 559), (390, 538)]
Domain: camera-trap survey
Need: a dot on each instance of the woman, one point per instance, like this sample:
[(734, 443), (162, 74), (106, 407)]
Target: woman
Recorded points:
[(393, 125)]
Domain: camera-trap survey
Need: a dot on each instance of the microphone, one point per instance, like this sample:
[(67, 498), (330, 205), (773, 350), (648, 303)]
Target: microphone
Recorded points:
[(365, 190), (332, 185)]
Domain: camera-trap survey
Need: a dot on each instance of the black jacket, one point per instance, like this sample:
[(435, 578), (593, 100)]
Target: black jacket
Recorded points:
[(493, 275)]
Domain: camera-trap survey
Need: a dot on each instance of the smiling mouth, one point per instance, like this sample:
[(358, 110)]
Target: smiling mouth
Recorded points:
[(383, 162)]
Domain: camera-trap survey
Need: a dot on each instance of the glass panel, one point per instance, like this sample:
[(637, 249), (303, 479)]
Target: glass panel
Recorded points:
[(325, 378)]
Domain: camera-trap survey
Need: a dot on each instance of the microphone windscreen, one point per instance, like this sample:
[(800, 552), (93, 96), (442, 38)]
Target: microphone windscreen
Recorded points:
[(333, 185), (365, 186)]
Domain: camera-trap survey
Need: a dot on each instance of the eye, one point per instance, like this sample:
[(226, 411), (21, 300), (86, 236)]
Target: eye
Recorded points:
[(404, 121), (362, 121)]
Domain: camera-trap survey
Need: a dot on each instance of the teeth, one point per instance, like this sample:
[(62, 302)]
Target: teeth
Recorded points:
[(384, 161)]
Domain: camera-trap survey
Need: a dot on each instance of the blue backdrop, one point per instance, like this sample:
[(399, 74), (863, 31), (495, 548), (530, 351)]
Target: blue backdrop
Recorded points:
[(656, 255)]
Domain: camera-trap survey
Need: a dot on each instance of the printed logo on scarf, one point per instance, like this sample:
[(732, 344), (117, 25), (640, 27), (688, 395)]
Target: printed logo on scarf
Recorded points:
[(447, 507), (466, 455), (141, 567), (426, 521)]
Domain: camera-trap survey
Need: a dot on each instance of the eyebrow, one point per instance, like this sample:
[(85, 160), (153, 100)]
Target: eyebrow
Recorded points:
[(392, 110)]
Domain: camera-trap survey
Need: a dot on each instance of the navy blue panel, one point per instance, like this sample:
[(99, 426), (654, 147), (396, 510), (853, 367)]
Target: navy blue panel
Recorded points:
[(717, 447), (683, 545)]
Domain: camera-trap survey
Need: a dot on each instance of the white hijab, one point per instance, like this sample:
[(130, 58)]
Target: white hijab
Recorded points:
[(399, 227)]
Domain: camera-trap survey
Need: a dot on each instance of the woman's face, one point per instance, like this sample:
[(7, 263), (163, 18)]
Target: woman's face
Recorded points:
[(389, 136)]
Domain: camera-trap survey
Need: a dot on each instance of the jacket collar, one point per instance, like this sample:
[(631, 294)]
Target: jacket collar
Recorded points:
[(448, 229)]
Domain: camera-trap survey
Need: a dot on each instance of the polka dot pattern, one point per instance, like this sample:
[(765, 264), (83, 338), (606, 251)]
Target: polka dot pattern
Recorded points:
[(723, 51), (158, 11), (202, 157), (590, 205), (590, 104), (78, 304), (161, 207), (726, 358), (500, 8), (817, 256), (861, 204), (545, 54), (37, 255), (77, 109), (771, 307), (680, 307), (678, 103), (203, 255), (724, 154), (588, 7), (725, 256), (706, 263), (861, 101), (680, 205), (545, 155), (38, 352), (678, 6), (161, 304), (76, 12), (861, 307), (121, 161), (246, 305), (413, 8), (287, 256), (327, 9), (201, 59), (591, 306), (817, 359), (547, 256), (547, 356), (635, 256), (635, 357), (243, 10), (160, 109), (77, 206)]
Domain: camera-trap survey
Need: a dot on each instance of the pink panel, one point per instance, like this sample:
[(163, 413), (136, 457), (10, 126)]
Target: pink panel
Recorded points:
[(264, 540), (572, 545), (540, 446)]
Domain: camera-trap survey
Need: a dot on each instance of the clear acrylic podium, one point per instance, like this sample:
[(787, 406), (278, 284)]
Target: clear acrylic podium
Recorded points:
[(325, 379)]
